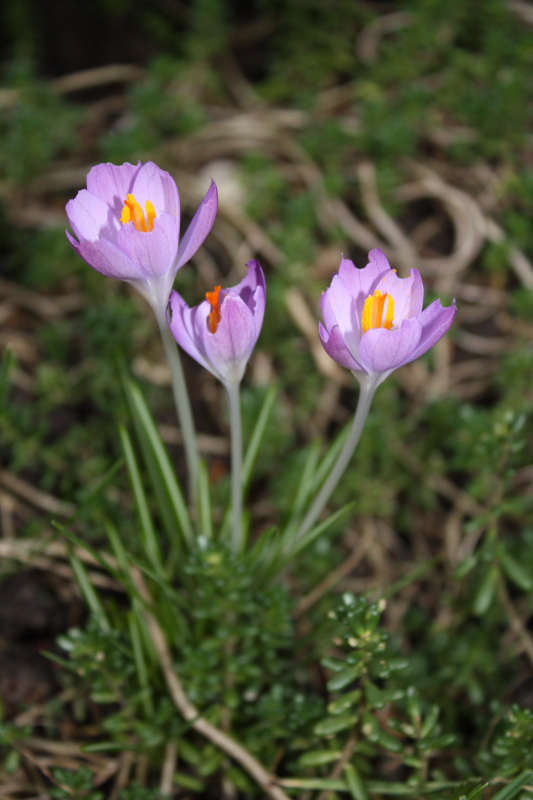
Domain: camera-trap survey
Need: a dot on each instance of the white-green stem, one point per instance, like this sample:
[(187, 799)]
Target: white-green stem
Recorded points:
[(233, 390), (183, 406), (364, 402)]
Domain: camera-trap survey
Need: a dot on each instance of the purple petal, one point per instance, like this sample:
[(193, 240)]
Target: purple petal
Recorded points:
[(91, 218), (362, 282), (334, 345), (230, 347), (436, 321), (200, 226), (154, 252), (342, 309), (382, 350), (105, 257), (185, 324), (407, 293), (252, 290), (154, 184), (327, 312), (112, 184)]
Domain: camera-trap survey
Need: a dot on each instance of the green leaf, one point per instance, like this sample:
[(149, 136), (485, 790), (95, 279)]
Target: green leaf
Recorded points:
[(163, 477), (355, 783), (89, 593), (331, 725), (149, 539), (257, 437), (516, 572), (314, 758), (485, 593), (296, 547), (510, 791), (204, 502), (345, 677), (344, 702)]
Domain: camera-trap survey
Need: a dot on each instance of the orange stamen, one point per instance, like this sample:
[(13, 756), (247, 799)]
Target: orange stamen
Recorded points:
[(214, 317), (132, 212), (373, 311)]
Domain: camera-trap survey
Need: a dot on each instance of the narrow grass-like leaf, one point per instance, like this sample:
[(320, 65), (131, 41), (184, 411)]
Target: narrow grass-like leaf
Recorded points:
[(89, 593), (204, 502), (305, 487), (140, 665), (257, 437), (330, 458), (98, 556), (149, 539), (164, 480), (295, 547), (513, 788)]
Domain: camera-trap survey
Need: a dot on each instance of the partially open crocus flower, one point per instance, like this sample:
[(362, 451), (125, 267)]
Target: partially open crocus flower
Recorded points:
[(374, 322), (128, 223), (221, 332)]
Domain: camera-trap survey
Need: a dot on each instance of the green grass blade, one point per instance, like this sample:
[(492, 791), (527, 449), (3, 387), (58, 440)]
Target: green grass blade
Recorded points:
[(257, 437), (89, 593), (296, 547), (78, 542), (330, 458), (162, 472), (513, 788), (305, 487), (149, 539), (140, 665), (204, 500)]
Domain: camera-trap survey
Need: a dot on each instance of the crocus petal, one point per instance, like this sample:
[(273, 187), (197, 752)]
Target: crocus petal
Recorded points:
[(362, 282), (334, 345), (252, 290), (112, 184), (91, 218), (153, 252), (436, 321), (382, 350), (108, 259), (342, 307), (186, 324), (407, 293), (229, 348), (154, 184), (201, 224)]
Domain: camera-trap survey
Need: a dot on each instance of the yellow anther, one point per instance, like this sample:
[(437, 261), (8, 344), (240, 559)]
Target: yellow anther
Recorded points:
[(132, 212), (373, 311)]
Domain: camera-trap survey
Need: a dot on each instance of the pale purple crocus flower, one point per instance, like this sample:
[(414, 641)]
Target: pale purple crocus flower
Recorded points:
[(374, 322), (127, 223), (221, 332)]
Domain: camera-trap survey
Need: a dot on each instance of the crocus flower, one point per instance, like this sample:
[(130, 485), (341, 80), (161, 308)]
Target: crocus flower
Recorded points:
[(128, 223), (221, 332), (374, 322)]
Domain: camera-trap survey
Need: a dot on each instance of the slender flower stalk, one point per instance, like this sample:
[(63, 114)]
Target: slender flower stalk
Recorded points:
[(234, 399), (183, 407), (366, 395)]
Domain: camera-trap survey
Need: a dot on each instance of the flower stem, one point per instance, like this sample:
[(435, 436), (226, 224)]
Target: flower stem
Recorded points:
[(366, 395), (233, 390), (183, 407)]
